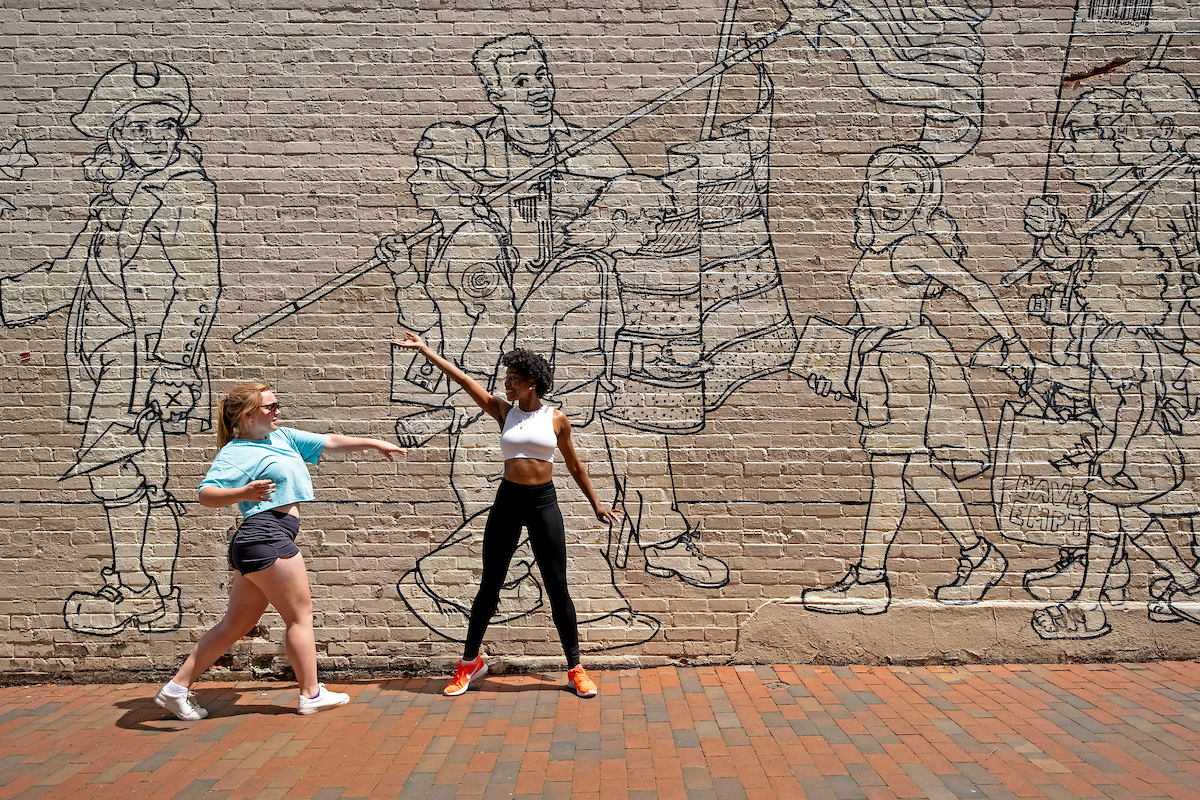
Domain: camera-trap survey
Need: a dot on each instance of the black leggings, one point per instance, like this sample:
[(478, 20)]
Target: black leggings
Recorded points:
[(534, 508)]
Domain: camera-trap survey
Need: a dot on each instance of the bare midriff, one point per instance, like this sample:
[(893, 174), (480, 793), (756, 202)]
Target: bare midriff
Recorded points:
[(527, 471)]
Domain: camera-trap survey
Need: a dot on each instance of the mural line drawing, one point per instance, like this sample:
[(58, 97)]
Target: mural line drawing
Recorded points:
[(921, 423), (617, 276), (539, 173), (1113, 454), (140, 283), (792, 20), (14, 160)]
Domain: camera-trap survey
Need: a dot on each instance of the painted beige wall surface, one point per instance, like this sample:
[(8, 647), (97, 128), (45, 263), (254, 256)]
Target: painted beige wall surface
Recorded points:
[(878, 319)]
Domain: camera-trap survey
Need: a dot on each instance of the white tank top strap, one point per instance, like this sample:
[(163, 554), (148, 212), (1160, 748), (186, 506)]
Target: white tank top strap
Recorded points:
[(529, 434)]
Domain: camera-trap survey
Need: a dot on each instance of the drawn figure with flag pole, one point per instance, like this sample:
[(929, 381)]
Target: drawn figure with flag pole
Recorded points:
[(141, 282), (456, 289), (808, 19)]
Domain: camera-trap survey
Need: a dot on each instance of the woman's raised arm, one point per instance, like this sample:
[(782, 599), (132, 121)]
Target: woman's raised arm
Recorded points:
[(494, 406)]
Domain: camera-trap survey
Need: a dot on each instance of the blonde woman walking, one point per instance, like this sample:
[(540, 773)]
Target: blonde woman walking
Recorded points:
[(261, 467)]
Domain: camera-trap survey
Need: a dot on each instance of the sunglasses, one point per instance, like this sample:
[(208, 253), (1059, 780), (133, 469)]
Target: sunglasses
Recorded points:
[(271, 407)]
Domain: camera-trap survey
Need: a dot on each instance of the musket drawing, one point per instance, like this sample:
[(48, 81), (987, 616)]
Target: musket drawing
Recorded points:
[(789, 27)]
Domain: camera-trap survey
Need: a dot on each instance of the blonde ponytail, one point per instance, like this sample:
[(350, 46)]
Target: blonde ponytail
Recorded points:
[(233, 409)]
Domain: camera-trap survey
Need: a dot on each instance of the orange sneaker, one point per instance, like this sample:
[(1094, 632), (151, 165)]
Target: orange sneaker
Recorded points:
[(466, 672), (583, 685)]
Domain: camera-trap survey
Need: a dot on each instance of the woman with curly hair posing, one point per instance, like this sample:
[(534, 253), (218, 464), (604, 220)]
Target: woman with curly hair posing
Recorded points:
[(530, 432)]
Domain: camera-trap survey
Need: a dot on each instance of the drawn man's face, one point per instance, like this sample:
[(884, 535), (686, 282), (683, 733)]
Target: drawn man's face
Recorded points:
[(1091, 158), (1142, 138), (150, 135), (526, 90), (893, 195)]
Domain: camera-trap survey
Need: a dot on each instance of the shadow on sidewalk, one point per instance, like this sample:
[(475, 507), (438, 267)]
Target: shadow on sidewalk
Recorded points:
[(223, 702), (144, 715)]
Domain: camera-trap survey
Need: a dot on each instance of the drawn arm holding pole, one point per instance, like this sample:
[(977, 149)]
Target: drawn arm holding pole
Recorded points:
[(810, 20)]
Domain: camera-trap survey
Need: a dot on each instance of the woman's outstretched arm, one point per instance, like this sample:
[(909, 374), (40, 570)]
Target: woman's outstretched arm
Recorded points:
[(337, 443), (494, 406)]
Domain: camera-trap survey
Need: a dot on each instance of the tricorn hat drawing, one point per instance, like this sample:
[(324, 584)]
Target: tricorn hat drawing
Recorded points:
[(130, 85)]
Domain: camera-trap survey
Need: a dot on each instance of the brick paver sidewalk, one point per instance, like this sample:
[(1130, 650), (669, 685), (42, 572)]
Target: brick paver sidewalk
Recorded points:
[(1119, 731)]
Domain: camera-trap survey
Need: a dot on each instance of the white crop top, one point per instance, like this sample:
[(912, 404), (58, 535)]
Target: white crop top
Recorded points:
[(529, 434)]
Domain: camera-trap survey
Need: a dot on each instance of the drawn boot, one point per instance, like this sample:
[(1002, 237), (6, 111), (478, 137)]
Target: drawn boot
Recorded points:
[(682, 558), (622, 628), (850, 595), (159, 550), (977, 572), (1117, 581), (172, 613), (1070, 621), (1170, 602), (1185, 603), (1061, 581), (109, 610)]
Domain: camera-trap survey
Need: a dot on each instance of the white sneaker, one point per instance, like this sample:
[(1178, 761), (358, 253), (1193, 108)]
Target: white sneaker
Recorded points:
[(182, 706), (324, 699)]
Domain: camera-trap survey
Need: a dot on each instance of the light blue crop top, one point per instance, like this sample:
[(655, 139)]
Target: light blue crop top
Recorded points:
[(279, 458), (529, 434)]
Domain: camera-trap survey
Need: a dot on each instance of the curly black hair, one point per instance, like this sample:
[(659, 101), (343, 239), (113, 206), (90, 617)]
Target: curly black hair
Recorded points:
[(532, 366)]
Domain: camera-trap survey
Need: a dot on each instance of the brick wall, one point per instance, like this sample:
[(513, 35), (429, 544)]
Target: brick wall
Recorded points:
[(880, 335)]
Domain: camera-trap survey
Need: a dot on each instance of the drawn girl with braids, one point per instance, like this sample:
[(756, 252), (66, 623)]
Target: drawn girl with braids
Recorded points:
[(454, 287)]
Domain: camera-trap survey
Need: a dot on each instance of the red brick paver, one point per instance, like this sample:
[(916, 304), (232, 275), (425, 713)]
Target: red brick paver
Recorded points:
[(719, 733)]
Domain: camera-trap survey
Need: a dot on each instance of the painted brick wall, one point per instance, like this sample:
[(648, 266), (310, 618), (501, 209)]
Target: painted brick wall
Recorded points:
[(880, 332)]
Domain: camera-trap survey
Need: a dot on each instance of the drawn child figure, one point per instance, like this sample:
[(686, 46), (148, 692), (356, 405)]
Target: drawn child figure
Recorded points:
[(920, 423), (1088, 149), (455, 288), (1137, 468)]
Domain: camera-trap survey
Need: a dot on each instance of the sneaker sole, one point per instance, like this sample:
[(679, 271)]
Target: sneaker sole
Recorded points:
[(463, 690), (954, 601), (667, 572)]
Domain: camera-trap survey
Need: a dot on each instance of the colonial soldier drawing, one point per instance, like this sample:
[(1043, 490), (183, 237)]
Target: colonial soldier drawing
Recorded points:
[(141, 282), (526, 130)]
